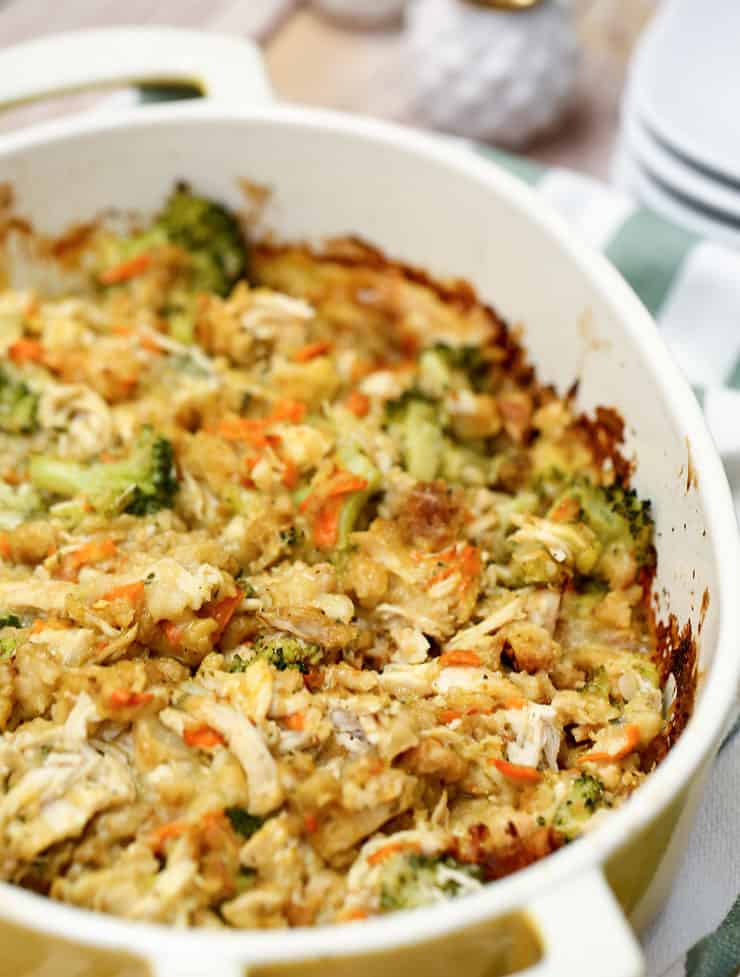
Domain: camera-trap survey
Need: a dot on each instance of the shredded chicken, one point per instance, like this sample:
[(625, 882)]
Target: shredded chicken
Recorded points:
[(314, 604)]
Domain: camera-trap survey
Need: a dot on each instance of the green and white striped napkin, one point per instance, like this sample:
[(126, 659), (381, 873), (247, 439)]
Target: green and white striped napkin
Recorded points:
[(692, 287)]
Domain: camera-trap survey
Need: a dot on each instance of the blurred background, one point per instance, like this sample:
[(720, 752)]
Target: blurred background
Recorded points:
[(354, 55), (642, 94)]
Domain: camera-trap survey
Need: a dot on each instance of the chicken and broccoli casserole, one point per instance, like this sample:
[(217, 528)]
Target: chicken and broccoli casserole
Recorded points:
[(315, 604)]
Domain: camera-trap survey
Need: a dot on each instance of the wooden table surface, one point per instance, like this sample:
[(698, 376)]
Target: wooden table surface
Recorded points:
[(313, 61)]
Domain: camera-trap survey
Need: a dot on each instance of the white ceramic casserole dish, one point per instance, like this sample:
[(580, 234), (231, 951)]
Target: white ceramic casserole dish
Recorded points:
[(440, 206)]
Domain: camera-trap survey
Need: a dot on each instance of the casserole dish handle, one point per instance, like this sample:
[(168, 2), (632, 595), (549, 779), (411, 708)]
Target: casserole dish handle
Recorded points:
[(584, 931), (581, 926), (223, 68)]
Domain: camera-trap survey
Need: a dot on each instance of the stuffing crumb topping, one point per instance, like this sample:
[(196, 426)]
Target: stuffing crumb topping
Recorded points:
[(314, 604)]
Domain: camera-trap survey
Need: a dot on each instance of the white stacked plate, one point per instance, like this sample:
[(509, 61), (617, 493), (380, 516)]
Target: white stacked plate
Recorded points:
[(679, 149)]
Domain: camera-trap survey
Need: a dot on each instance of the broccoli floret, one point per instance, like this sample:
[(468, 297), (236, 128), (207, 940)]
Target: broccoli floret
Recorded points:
[(614, 513), (245, 880), (210, 234), (211, 237), (291, 536), (413, 419), (8, 642), (354, 461), (412, 880), (395, 410), (7, 648), (243, 822), (546, 551), (440, 362), (282, 651), (585, 795), (205, 230), (17, 504), (429, 451), (140, 484), (18, 406), (598, 684)]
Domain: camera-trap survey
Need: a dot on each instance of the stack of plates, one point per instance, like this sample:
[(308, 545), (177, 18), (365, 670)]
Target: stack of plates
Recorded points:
[(679, 149)]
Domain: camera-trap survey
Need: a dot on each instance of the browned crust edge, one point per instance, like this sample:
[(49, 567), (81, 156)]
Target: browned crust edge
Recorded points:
[(676, 646)]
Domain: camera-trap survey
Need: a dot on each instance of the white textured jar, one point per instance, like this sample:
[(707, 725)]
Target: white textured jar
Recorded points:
[(496, 75)]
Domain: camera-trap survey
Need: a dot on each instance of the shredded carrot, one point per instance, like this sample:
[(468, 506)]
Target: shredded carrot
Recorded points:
[(252, 429), (259, 440), (288, 410), (295, 721), (132, 592), (632, 732), (354, 915), (311, 350), (470, 565), (326, 524), (313, 679), (121, 330), (126, 699), (566, 510), (26, 351), (204, 737), (149, 343), (326, 502), (442, 575), (4, 546), (516, 702), (126, 270), (387, 851), (447, 716), (452, 658), (361, 368), (222, 611), (95, 551), (342, 483), (50, 623), (246, 429), (310, 823), (12, 477), (173, 632), (165, 831), (466, 563), (213, 819), (515, 771), (290, 474), (233, 428), (358, 403)]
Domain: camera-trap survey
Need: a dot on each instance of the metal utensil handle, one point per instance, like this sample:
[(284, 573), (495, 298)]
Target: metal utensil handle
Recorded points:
[(223, 68)]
